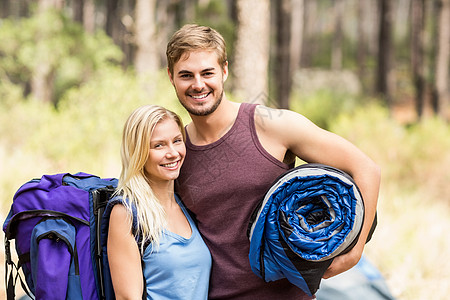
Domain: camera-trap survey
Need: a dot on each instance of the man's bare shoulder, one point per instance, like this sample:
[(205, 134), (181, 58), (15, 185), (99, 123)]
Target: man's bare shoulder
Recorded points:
[(275, 119)]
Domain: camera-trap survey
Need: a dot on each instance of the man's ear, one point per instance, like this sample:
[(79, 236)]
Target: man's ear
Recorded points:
[(225, 71), (170, 75)]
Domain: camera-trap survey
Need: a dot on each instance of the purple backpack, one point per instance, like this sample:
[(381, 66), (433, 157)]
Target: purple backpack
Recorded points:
[(55, 222)]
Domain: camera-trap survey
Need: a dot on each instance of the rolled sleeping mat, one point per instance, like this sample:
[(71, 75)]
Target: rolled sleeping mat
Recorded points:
[(310, 215)]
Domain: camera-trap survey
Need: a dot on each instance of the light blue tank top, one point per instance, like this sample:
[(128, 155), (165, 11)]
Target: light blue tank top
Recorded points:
[(180, 268)]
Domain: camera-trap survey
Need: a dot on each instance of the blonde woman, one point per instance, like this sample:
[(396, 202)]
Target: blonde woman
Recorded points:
[(171, 255)]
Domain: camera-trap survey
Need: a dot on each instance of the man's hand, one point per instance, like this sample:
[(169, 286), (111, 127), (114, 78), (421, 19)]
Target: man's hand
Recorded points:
[(343, 263)]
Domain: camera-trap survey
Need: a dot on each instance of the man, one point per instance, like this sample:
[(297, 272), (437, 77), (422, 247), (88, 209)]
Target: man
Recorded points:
[(235, 152)]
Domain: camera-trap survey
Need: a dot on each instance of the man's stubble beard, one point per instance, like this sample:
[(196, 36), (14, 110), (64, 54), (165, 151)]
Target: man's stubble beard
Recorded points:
[(199, 112)]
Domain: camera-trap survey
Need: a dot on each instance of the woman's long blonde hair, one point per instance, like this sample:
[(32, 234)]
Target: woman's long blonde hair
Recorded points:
[(133, 182)]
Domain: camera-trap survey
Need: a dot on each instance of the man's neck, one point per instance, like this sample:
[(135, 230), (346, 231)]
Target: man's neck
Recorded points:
[(207, 129)]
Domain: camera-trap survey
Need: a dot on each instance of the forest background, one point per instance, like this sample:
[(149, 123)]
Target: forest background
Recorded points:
[(375, 72)]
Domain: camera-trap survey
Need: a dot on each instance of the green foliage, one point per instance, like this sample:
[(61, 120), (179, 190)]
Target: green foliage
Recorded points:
[(90, 119), (51, 40), (214, 14), (409, 155), (323, 106), (82, 134)]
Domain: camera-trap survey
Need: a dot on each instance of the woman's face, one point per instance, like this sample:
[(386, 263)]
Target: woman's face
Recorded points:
[(167, 152)]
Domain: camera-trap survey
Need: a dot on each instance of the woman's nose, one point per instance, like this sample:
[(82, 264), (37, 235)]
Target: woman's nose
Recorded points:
[(171, 152)]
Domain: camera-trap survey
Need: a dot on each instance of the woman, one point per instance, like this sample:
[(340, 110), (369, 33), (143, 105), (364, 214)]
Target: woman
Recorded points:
[(171, 255)]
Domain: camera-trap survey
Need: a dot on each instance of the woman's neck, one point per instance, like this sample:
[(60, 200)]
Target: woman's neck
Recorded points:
[(164, 192)]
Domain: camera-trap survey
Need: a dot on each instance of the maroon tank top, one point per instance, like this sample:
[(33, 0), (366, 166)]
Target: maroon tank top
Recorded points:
[(221, 184)]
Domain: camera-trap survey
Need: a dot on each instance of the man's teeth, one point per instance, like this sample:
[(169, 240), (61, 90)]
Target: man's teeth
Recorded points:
[(171, 165), (200, 96)]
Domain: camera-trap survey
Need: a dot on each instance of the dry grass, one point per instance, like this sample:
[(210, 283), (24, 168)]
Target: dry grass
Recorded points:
[(411, 245)]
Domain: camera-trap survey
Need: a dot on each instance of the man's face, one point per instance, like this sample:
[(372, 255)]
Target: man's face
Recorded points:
[(198, 79)]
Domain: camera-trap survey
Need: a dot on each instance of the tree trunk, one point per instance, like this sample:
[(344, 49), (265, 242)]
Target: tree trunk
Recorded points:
[(78, 11), (417, 52), (127, 31), (443, 59), (43, 75), (188, 9), (251, 61), (362, 42), (232, 10), (309, 34), (24, 9), (146, 56), (44, 5), (4, 8), (384, 81), (42, 82), (336, 48), (111, 19), (297, 25), (165, 20), (89, 16), (434, 7), (283, 68)]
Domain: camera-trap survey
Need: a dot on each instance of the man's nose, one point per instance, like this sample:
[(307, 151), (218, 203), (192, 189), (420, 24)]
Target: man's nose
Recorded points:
[(198, 83)]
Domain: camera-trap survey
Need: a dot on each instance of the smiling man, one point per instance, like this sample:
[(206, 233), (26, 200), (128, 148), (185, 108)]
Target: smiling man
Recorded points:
[(234, 153)]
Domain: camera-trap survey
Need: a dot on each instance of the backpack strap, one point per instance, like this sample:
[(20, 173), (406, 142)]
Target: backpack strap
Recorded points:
[(100, 198), (144, 292), (10, 278)]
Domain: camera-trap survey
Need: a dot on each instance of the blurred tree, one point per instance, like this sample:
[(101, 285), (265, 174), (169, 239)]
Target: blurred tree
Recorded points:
[(443, 60), (51, 53), (216, 14), (119, 24), (283, 69), (232, 9), (251, 57), (336, 47), (362, 37), (78, 11), (43, 75), (166, 12), (384, 78), (309, 46), (4, 8), (297, 28), (112, 19), (44, 5), (89, 16), (380, 26), (146, 56), (187, 9), (417, 52), (433, 8)]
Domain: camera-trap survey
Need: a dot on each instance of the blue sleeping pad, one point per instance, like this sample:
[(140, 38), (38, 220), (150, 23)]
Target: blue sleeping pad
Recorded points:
[(310, 215)]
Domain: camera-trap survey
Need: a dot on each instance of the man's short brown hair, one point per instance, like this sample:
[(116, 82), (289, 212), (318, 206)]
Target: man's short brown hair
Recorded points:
[(195, 37)]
